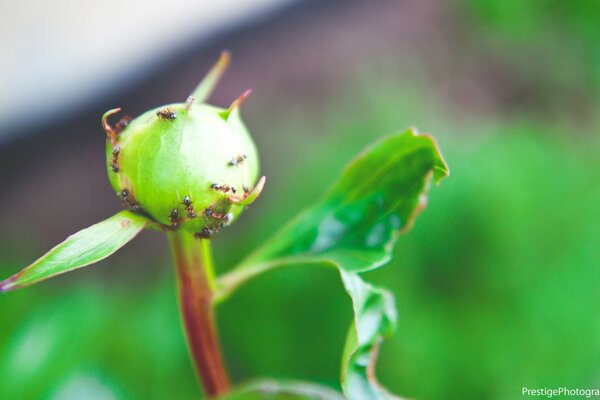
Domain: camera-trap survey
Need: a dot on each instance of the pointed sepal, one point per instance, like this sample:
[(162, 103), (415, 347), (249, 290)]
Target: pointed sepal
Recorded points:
[(248, 198), (237, 103), (208, 84)]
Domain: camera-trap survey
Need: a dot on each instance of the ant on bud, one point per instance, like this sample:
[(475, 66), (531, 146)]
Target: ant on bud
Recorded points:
[(114, 161), (210, 213), (205, 233), (222, 188), (174, 217), (227, 220), (129, 200), (238, 160), (122, 124), (166, 113), (189, 208)]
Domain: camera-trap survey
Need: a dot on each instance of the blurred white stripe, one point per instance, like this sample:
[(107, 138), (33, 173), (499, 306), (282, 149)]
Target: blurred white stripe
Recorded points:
[(56, 53)]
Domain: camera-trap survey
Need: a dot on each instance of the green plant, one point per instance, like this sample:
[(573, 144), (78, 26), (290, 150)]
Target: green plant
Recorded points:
[(190, 169)]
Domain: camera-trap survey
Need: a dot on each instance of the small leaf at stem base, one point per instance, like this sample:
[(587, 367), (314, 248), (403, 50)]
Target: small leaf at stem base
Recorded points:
[(83, 248)]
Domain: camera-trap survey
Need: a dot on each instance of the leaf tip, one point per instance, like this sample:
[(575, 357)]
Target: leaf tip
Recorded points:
[(440, 169), (8, 284)]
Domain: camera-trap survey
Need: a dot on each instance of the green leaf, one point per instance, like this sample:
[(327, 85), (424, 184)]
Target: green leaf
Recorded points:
[(83, 248), (283, 390), (355, 225), (374, 319), (354, 228)]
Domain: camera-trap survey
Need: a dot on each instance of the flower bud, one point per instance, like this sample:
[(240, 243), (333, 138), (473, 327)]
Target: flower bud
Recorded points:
[(187, 166)]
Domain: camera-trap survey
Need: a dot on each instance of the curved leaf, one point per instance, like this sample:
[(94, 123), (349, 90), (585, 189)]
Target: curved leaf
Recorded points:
[(354, 228), (355, 225), (83, 248), (374, 319), (283, 390)]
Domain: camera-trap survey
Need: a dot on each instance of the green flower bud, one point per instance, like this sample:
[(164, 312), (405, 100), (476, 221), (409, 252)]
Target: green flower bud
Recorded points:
[(187, 166)]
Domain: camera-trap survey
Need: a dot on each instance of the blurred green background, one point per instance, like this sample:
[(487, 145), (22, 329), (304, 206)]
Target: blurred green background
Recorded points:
[(497, 284)]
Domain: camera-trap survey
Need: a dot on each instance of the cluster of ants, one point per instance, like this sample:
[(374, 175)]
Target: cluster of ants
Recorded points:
[(221, 218), (112, 134)]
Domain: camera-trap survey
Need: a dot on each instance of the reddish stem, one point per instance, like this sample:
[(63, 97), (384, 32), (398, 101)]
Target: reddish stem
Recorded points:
[(195, 297)]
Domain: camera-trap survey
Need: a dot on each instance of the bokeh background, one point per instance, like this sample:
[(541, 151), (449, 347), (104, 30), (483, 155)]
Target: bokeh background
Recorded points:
[(497, 285)]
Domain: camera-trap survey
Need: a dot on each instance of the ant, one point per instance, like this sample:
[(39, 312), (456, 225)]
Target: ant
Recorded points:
[(166, 113), (174, 217), (226, 220), (189, 208), (223, 188), (209, 212), (205, 233), (114, 162), (238, 160), (122, 124), (128, 199)]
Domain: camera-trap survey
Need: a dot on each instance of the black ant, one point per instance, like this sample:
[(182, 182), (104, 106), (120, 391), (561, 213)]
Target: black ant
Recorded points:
[(128, 199), (222, 188), (122, 124), (174, 217), (205, 233), (226, 220), (210, 213), (114, 162), (189, 208), (166, 113)]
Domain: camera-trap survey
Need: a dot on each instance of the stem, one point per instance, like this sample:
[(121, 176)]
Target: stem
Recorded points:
[(195, 276)]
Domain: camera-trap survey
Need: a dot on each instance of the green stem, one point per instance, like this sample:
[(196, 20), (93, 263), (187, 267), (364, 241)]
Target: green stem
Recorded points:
[(195, 277)]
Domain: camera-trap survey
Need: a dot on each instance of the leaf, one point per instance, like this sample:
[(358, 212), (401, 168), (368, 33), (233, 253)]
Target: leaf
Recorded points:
[(283, 390), (83, 248), (211, 80), (355, 225), (354, 228), (374, 319)]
